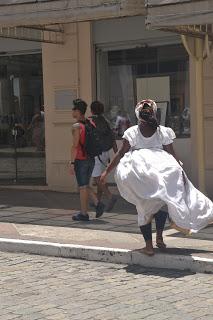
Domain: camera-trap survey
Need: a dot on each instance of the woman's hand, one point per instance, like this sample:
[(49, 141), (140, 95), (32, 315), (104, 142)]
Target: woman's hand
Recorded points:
[(124, 148), (103, 177)]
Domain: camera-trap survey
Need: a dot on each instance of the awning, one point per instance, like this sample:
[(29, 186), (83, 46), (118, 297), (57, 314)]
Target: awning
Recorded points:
[(187, 17), (9, 2), (42, 20), (15, 13), (167, 13)]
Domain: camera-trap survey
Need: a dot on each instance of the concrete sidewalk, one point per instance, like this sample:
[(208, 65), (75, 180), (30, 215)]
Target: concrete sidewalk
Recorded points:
[(41, 222)]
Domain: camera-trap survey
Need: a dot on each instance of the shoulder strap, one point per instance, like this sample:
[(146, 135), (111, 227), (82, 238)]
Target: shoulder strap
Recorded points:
[(101, 161), (91, 121)]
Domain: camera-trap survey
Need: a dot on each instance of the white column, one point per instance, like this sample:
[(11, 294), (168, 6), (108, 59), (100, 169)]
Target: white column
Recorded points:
[(195, 48), (199, 109)]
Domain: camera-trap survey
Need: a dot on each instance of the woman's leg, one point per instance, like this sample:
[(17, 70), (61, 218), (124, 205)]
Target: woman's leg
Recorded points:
[(160, 220), (104, 189), (146, 231), (99, 187)]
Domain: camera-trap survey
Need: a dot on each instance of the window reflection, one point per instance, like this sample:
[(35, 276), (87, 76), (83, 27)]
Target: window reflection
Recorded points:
[(22, 142), (117, 88), (21, 100)]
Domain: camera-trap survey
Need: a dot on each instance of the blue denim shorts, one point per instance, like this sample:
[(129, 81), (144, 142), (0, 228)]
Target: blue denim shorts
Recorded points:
[(83, 171)]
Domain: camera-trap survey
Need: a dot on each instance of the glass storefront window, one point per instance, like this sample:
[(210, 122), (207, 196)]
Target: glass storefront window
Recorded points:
[(21, 117), (163, 74)]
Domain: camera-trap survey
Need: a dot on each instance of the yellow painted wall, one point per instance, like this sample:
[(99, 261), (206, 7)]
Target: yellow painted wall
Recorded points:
[(66, 68)]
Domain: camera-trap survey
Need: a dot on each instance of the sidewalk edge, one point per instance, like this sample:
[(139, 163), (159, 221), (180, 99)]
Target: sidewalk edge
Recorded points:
[(121, 256)]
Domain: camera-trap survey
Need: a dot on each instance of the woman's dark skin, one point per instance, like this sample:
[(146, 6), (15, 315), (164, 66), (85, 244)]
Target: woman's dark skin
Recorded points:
[(147, 132)]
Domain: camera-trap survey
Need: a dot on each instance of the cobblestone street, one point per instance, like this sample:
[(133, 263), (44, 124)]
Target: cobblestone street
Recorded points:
[(35, 287)]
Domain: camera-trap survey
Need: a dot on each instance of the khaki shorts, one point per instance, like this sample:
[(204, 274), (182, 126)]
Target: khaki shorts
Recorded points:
[(99, 166)]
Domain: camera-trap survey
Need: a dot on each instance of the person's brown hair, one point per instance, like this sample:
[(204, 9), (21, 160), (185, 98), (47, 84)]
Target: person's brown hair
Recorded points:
[(80, 105), (97, 108)]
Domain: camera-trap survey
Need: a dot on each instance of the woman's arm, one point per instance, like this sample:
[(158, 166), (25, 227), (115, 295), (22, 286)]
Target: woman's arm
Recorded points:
[(75, 143), (121, 152), (115, 147)]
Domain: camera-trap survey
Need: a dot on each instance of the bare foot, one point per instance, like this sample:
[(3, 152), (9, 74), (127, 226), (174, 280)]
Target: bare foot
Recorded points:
[(148, 252)]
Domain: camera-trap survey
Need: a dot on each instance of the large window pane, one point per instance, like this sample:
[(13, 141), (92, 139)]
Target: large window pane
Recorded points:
[(21, 117), (117, 78)]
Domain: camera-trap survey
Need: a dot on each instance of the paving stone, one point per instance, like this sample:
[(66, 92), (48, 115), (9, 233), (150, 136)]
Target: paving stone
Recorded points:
[(48, 288)]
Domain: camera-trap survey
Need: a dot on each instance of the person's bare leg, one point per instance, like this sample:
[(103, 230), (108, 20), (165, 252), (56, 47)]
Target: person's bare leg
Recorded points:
[(93, 196), (104, 189), (84, 197), (100, 188)]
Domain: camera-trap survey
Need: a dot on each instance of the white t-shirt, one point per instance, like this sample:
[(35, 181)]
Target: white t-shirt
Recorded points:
[(163, 136)]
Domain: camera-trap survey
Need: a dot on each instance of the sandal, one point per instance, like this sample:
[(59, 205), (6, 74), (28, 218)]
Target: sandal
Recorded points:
[(160, 243)]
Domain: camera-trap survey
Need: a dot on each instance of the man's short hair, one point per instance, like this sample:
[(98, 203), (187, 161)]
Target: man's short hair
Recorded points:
[(80, 105), (97, 108)]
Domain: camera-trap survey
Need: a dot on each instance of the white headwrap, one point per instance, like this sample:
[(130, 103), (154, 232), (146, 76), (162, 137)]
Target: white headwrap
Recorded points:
[(140, 106)]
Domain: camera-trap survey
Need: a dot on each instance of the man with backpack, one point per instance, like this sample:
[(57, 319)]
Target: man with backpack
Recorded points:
[(107, 142), (83, 159)]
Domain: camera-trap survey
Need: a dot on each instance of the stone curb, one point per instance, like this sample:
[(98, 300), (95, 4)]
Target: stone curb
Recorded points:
[(121, 256)]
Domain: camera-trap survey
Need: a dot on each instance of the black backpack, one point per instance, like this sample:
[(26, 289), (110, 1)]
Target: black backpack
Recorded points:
[(105, 132), (98, 136), (92, 145)]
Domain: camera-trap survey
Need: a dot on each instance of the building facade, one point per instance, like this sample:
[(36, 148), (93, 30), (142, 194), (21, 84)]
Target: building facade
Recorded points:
[(119, 62)]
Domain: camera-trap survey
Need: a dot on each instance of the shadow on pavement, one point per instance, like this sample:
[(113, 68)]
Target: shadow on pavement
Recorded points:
[(52, 200), (48, 208), (180, 251), (56, 209), (165, 273)]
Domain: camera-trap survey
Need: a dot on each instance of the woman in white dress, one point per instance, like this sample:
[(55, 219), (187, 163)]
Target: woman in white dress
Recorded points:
[(149, 175)]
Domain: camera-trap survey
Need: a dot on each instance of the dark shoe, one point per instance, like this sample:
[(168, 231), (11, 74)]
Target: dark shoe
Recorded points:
[(99, 209), (111, 203), (80, 217)]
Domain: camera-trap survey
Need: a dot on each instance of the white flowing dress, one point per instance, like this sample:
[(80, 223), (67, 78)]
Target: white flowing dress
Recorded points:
[(149, 177)]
